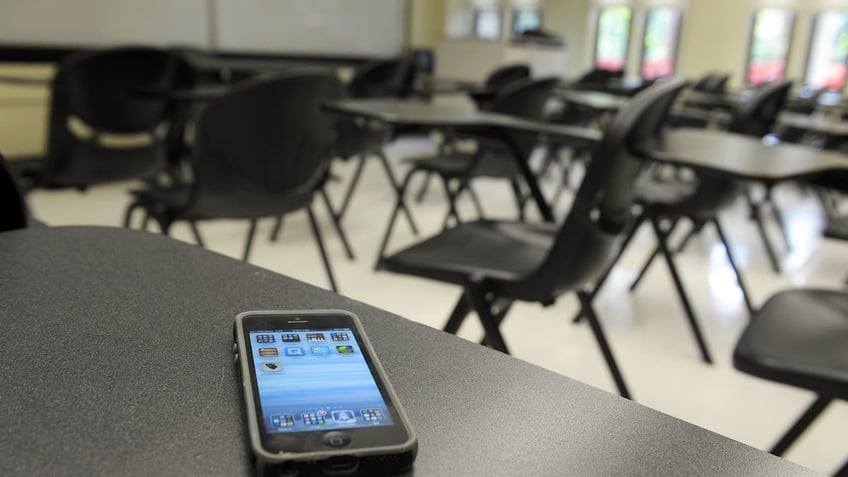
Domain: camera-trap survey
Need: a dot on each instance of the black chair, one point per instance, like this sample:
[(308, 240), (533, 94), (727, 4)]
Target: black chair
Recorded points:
[(495, 83), (664, 203), (262, 150), (598, 78), (800, 338), (499, 262), (493, 158), (13, 213), (712, 83), (101, 89), (365, 139)]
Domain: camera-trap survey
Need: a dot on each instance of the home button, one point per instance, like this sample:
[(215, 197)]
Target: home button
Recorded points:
[(336, 439)]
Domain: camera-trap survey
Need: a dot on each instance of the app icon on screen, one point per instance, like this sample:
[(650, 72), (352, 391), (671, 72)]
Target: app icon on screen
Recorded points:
[(344, 417), (339, 337), (315, 337), (345, 349), (313, 419), (294, 351), (372, 415), (320, 350), (282, 421), (271, 367), (290, 337), (268, 352), (264, 339)]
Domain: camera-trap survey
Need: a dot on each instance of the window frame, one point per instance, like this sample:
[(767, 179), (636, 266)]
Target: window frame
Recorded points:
[(600, 11), (676, 53), (514, 16), (811, 42), (477, 12), (793, 16)]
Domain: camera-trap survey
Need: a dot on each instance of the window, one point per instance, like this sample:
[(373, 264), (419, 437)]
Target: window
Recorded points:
[(487, 23), (771, 34), (659, 50), (526, 19), (612, 39), (826, 63)]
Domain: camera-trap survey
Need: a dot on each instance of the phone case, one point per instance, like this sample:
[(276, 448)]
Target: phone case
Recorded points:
[(374, 460)]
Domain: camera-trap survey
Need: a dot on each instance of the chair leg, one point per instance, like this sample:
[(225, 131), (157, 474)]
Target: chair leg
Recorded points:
[(778, 218), (757, 216), (196, 233), (662, 238), (278, 226), (697, 227), (458, 315), (392, 218), (129, 212), (800, 425), (477, 297), (250, 233), (650, 260), (600, 337), (733, 265), (519, 198), (603, 278), (398, 191), (475, 199), (337, 223), (317, 233), (450, 194), (499, 308), (357, 173), (422, 190)]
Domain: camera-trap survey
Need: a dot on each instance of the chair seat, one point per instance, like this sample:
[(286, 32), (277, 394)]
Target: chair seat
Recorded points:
[(800, 338), (489, 249), (172, 201), (655, 192), (837, 228), (459, 164), (169, 197)]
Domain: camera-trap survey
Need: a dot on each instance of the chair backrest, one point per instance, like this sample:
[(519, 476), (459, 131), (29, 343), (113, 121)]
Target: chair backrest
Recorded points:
[(712, 83), (505, 76), (101, 89), (525, 99), (758, 115), (13, 213), (602, 207), (599, 76), (383, 79), (263, 148)]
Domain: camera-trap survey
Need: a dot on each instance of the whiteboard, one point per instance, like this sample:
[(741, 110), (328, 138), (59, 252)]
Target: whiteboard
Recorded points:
[(310, 27), (303, 27), (69, 23)]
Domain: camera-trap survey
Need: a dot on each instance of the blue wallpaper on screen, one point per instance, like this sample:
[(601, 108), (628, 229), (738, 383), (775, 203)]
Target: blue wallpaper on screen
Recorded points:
[(309, 385)]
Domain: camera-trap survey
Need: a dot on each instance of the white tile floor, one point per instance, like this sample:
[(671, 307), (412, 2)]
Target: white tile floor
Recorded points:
[(646, 329)]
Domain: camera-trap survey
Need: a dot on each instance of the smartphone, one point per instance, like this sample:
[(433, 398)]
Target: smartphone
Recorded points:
[(316, 397)]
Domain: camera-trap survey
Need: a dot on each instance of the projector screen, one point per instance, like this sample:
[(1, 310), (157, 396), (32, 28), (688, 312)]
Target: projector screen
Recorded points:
[(298, 27), (311, 27)]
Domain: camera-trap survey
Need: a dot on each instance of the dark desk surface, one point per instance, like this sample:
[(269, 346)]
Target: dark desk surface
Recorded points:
[(421, 113), (744, 156), (119, 362)]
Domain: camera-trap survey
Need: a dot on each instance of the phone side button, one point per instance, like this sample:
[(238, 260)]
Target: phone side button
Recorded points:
[(336, 439)]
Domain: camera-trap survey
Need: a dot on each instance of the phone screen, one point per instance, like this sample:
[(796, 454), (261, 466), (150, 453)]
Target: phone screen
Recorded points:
[(315, 380)]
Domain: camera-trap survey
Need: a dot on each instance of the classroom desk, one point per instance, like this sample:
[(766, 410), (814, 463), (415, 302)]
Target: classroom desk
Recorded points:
[(422, 114), (745, 157), (119, 362), (814, 124)]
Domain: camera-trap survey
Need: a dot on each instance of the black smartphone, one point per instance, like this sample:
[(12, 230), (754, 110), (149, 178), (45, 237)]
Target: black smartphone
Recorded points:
[(316, 397)]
